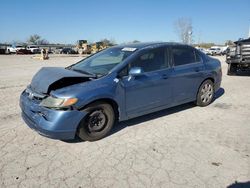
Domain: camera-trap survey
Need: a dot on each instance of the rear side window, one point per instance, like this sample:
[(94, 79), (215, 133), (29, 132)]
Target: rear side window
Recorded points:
[(198, 57), (152, 60), (203, 56), (183, 55)]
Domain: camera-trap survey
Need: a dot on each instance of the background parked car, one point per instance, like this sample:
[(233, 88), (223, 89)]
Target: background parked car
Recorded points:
[(34, 49), (2, 50), (23, 51), (68, 51), (13, 49), (214, 51), (57, 50)]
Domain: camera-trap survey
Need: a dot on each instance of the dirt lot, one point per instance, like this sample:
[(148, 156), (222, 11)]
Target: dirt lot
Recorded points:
[(185, 146)]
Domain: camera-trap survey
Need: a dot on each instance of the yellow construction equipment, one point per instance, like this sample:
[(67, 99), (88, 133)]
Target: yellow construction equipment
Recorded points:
[(101, 46), (82, 46), (94, 48)]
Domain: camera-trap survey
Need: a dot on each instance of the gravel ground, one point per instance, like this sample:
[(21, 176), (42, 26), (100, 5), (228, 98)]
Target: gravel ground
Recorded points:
[(185, 146)]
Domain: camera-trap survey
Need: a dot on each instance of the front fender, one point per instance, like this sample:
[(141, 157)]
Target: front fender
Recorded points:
[(89, 99)]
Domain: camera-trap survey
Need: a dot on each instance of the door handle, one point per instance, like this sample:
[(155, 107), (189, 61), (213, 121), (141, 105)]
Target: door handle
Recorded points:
[(197, 70), (164, 76)]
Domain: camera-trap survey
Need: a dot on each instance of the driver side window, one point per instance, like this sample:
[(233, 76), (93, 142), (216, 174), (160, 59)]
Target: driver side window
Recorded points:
[(151, 60)]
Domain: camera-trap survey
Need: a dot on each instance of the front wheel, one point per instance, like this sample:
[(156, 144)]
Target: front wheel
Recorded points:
[(97, 123), (205, 94)]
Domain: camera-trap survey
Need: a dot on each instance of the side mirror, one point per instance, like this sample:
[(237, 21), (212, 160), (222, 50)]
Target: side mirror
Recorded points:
[(136, 71)]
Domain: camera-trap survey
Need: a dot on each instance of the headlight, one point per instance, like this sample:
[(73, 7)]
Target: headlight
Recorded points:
[(52, 102)]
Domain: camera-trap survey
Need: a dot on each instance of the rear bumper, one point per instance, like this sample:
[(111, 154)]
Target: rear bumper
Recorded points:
[(218, 80), (217, 86), (50, 123)]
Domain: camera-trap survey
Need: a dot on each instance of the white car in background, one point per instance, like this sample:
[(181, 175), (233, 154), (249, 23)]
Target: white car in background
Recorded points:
[(217, 50), (214, 51), (34, 49), (13, 49)]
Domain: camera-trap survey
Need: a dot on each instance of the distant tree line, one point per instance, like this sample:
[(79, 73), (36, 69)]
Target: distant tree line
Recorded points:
[(183, 28)]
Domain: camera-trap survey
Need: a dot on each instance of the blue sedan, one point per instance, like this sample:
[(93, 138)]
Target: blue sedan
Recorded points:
[(86, 99)]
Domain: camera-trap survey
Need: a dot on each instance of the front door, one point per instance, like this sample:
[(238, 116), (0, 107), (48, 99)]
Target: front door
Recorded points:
[(153, 88)]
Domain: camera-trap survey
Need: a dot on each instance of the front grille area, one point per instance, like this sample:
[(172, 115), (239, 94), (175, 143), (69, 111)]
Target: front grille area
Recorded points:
[(245, 51)]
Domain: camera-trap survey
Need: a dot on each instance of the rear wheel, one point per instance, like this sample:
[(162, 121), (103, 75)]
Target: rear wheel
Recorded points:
[(205, 94), (97, 123), (232, 69)]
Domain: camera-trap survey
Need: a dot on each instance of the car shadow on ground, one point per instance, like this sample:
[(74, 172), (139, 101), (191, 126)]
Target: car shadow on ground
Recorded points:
[(136, 121), (240, 185)]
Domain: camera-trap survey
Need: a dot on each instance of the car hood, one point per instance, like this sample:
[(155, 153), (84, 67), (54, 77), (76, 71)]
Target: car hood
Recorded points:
[(52, 78)]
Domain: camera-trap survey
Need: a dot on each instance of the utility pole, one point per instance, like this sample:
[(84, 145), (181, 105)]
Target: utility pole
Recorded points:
[(249, 30), (190, 37), (199, 37)]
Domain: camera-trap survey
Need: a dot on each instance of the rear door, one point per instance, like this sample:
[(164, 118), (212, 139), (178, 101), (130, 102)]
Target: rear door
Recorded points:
[(152, 89), (188, 73)]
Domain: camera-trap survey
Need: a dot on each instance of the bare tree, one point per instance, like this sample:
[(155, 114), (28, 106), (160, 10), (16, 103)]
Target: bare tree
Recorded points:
[(36, 39), (184, 29), (33, 39)]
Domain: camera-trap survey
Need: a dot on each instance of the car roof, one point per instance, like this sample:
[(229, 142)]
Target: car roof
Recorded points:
[(143, 45)]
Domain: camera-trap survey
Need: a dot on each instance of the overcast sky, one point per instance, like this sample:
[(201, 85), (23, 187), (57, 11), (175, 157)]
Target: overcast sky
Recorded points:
[(67, 21)]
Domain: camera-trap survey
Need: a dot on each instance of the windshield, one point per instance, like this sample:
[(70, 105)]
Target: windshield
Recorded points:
[(101, 63)]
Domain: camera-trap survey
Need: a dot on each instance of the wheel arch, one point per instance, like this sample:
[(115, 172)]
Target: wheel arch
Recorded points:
[(208, 78), (109, 101)]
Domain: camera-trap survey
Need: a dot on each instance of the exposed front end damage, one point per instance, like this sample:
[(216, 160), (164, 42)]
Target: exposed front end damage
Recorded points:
[(52, 123), (56, 124)]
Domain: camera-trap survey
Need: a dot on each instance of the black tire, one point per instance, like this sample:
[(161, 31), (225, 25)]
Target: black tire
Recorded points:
[(231, 69), (97, 123), (205, 94)]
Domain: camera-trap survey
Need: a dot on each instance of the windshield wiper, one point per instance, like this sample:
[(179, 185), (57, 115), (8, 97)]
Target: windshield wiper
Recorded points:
[(92, 75)]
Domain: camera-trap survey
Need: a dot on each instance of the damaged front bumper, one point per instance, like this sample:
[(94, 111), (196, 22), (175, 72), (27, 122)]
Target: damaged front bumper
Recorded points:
[(56, 124)]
